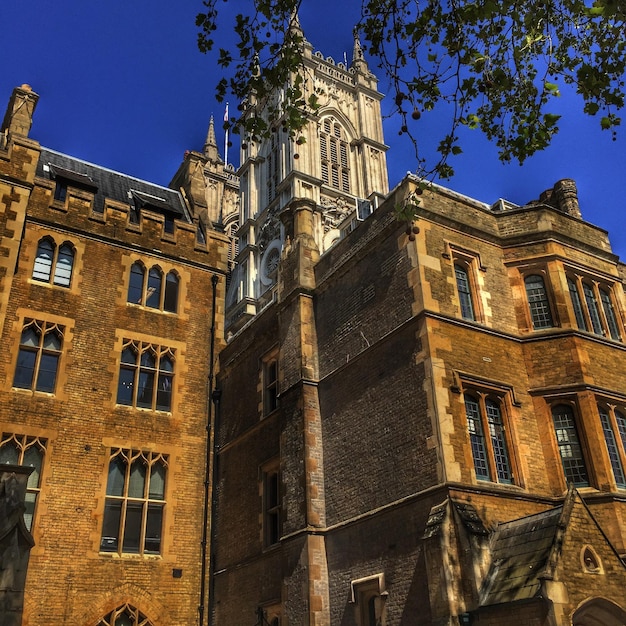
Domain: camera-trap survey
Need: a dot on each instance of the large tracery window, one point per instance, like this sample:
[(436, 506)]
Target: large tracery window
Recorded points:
[(334, 155), (135, 501), (125, 615), (146, 376)]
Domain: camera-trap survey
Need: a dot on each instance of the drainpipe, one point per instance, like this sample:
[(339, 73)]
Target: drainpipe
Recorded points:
[(207, 467)]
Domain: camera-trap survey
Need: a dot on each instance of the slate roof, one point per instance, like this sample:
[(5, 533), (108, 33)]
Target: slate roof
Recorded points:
[(521, 553), (110, 184)]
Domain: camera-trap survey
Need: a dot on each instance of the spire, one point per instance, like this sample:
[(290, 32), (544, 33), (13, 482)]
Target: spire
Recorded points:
[(358, 60), (210, 145), (294, 24)]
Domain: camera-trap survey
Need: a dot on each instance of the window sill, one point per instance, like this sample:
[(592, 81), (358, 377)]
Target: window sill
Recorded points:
[(131, 556)]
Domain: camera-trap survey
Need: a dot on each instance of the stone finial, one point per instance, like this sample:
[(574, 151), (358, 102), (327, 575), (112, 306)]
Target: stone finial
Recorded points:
[(19, 115), (210, 145), (566, 196), (358, 60)]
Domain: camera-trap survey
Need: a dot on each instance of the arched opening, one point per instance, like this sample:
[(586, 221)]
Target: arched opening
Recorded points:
[(599, 612)]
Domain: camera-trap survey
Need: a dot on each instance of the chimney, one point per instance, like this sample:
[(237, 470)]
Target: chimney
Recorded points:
[(19, 116), (566, 196)]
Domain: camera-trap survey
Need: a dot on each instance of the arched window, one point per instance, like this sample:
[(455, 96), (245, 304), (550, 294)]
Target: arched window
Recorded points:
[(576, 304), (490, 454), (334, 155), (147, 288), (570, 449), (136, 283), (134, 504), (125, 615), (464, 290), (609, 314), (38, 356), (592, 307), (146, 376), (538, 302), (170, 301), (155, 284), (52, 264), (614, 429), (28, 451)]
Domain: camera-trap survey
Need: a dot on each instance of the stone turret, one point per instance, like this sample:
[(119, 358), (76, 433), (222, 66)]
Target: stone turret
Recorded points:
[(210, 145)]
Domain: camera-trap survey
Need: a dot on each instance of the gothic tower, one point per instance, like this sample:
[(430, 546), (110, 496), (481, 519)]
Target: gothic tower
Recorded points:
[(339, 166)]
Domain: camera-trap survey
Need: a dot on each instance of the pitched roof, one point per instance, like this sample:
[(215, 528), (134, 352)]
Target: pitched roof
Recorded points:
[(521, 552), (110, 184)]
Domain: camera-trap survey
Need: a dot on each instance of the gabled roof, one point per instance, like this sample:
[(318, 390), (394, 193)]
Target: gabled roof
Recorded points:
[(521, 551), (110, 184)]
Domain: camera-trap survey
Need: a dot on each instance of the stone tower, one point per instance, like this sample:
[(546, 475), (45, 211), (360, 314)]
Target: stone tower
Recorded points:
[(337, 164)]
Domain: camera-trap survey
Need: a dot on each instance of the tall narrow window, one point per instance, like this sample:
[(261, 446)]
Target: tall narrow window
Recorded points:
[(60, 190), (334, 155), (576, 304), (147, 287), (570, 449), (146, 376), (135, 499), (136, 283), (464, 290), (38, 356), (538, 302), (592, 307), (170, 301), (271, 506), (477, 438), (270, 385), (612, 447), (609, 314), (490, 454), (273, 167), (28, 451), (54, 264), (125, 615)]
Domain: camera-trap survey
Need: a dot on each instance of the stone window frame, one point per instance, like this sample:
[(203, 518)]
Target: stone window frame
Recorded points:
[(612, 418), (594, 304), (532, 316), (560, 443), (146, 500), (271, 495), (162, 377), (125, 610), (505, 398), (22, 444), (369, 597), (335, 154), (154, 281), (53, 274), (31, 244), (470, 263), (590, 561), (270, 388)]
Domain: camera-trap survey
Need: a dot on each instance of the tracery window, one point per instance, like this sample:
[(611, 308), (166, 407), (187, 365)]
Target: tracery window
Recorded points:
[(273, 167), (487, 438), (53, 264), (28, 451), (38, 357), (334, 155), (135, 501), (146, 376), (125, 615), (152, 289)]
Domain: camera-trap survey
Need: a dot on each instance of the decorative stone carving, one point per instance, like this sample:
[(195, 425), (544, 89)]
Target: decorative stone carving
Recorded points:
[(335, 210)]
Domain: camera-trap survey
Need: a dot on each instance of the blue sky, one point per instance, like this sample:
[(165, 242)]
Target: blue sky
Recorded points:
[(122, 84)]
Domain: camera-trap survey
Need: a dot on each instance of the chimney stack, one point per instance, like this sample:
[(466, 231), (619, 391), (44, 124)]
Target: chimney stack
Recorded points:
[(19, 116)]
